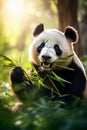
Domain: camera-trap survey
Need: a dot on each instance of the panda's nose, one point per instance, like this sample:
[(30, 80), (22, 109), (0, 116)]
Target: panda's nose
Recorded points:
[(45, 57)]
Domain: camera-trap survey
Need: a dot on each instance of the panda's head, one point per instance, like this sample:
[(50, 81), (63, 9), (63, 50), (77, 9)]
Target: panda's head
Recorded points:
[(50, 45)]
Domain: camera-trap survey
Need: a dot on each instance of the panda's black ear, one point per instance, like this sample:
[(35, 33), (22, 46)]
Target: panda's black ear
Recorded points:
[(39, 28), (71, 33)]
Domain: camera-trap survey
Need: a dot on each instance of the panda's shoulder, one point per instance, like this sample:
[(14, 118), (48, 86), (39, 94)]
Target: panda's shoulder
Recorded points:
[(78, 63)]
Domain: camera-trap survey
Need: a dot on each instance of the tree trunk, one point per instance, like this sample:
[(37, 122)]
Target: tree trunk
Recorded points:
[(67, 16)]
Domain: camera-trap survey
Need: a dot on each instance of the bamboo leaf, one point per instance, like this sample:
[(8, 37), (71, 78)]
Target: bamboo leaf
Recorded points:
[(63, 59), (9, 61), (65, 67), (57, 90), (56, 77), (6, 58)]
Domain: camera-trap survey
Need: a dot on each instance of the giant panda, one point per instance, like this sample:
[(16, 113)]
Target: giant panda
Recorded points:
[(45, 53)]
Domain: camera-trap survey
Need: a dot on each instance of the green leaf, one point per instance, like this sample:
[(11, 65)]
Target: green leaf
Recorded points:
[(6, 58), (65, 67), (57, 90), (58, 78), (63, 59), (9, 62)]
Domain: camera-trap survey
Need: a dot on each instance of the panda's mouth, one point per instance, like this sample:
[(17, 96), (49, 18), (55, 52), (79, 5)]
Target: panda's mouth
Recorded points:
[(46, 65)]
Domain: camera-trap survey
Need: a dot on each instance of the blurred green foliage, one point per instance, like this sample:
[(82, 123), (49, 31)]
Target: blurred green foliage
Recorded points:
[(84, 62), (39, 113), (46, 115)]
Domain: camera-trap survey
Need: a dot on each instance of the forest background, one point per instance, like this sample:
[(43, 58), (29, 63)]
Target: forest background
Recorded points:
[(17, 20)]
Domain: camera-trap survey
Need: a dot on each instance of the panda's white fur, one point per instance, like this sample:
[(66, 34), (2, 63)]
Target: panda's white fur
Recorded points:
[(78, 62), (51, 37), (65, 42)]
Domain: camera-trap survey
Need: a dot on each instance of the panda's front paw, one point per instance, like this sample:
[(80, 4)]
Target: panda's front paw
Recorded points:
[(20, 83), (17, 75)]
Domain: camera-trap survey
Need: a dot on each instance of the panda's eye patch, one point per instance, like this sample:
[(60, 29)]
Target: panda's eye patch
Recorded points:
[(58, 50), (39, 48)]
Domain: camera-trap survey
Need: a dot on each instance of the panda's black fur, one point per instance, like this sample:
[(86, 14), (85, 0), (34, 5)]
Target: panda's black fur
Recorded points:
[(75, 77)]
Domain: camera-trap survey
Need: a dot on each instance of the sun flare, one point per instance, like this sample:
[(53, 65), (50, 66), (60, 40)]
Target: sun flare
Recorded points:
[(16, 17)]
